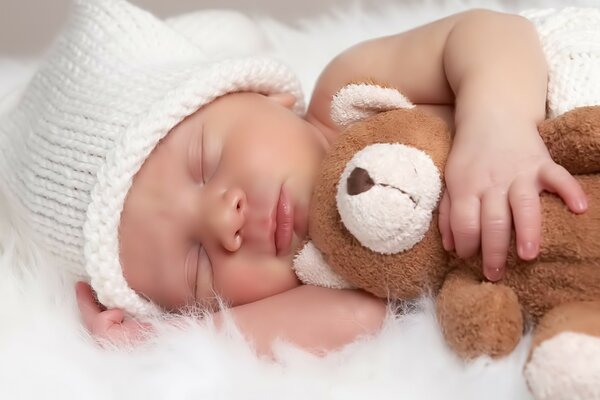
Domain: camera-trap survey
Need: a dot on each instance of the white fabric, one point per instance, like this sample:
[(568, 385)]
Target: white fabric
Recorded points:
[(44, 352), (115, 83), (571, 42)]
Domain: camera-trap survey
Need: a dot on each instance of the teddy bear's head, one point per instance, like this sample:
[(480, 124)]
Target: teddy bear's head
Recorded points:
[(373, 214)]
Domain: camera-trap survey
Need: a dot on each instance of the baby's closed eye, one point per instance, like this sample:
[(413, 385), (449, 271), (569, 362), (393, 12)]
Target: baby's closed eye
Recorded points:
[(191, 270), (211, 155)]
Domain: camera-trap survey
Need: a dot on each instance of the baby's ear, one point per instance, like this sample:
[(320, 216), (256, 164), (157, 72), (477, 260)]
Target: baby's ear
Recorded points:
[(285, 99)]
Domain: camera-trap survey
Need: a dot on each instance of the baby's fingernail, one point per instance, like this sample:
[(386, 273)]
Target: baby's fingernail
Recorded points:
[(582, 205), (445, 243), (493, 274), (528, 250)]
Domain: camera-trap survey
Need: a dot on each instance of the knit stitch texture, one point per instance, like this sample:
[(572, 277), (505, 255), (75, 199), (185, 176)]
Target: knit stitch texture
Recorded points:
[(114, 84), (570, 40)]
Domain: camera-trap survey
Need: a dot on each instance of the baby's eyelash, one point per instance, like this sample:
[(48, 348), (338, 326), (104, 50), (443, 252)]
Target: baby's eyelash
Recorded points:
[(197, 266), (191, 266)]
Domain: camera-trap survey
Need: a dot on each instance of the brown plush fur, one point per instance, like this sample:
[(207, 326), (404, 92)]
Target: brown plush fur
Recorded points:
[(426, 264), (478, 317)]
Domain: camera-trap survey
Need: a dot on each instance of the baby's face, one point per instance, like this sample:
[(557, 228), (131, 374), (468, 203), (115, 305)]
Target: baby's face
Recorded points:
[(220, 206)]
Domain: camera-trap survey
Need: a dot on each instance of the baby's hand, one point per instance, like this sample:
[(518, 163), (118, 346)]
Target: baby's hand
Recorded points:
[(494, 175), (105, 324)]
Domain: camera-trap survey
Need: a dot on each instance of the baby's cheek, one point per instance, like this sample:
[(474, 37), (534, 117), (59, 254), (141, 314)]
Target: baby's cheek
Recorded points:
[(246, 282)]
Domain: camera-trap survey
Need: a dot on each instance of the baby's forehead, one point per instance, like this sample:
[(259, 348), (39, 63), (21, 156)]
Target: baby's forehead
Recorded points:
[(249, 108)]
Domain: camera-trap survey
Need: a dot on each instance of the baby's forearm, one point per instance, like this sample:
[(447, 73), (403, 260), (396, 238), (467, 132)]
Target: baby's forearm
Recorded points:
[(315, 318), (494, 64), (489, 60)]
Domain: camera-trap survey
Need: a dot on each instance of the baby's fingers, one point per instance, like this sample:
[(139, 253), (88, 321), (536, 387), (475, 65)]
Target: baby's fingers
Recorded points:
[(86, 301), (525, 205), (113, 326), (98, 321), (136, 331), (108, 324), (495, 232), (556, 179), (466, 225)]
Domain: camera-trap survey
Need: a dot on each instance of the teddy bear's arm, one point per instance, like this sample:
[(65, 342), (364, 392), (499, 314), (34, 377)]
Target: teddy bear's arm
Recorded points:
[(312, 269), (573, 139), (478, 317)]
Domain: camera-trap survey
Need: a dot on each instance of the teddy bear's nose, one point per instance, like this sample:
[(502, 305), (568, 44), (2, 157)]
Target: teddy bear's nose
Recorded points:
[(359, 181)]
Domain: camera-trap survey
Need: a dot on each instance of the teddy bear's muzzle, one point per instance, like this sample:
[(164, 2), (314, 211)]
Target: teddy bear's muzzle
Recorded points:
[(386, 196)]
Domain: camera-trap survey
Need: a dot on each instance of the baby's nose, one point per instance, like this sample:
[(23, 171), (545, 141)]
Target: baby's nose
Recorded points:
[(232, 218)]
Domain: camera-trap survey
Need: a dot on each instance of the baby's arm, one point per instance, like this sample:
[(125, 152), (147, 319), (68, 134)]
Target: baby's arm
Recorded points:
[(317, 319), (490, 67)]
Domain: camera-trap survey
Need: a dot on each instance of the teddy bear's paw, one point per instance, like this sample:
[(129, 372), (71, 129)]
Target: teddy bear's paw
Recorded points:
[(566, 366), (479, 318)]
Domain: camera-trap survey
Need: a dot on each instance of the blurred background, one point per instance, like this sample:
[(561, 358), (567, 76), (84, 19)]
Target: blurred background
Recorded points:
[(45, 17), (27, 27)]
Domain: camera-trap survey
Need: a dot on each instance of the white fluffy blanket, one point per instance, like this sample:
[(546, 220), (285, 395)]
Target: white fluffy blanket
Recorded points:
[(45, 353)]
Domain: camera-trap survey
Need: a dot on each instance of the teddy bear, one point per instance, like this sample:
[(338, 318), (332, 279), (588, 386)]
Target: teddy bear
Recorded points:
[(373, 225)]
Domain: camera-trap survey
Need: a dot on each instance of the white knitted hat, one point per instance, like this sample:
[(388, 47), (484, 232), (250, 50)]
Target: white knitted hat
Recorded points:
[(115, 83)]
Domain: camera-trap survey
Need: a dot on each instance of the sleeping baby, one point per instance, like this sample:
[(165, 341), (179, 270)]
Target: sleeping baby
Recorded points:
[(166, 175)]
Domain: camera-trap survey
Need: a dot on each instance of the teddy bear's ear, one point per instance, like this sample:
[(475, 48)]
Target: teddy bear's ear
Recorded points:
[(357, 101)]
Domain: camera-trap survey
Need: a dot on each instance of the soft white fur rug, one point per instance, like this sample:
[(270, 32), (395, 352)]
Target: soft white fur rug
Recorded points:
[(45, 353)]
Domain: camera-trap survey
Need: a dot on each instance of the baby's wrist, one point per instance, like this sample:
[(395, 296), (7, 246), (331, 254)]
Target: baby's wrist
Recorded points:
[(501, 123), (499, 102)]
